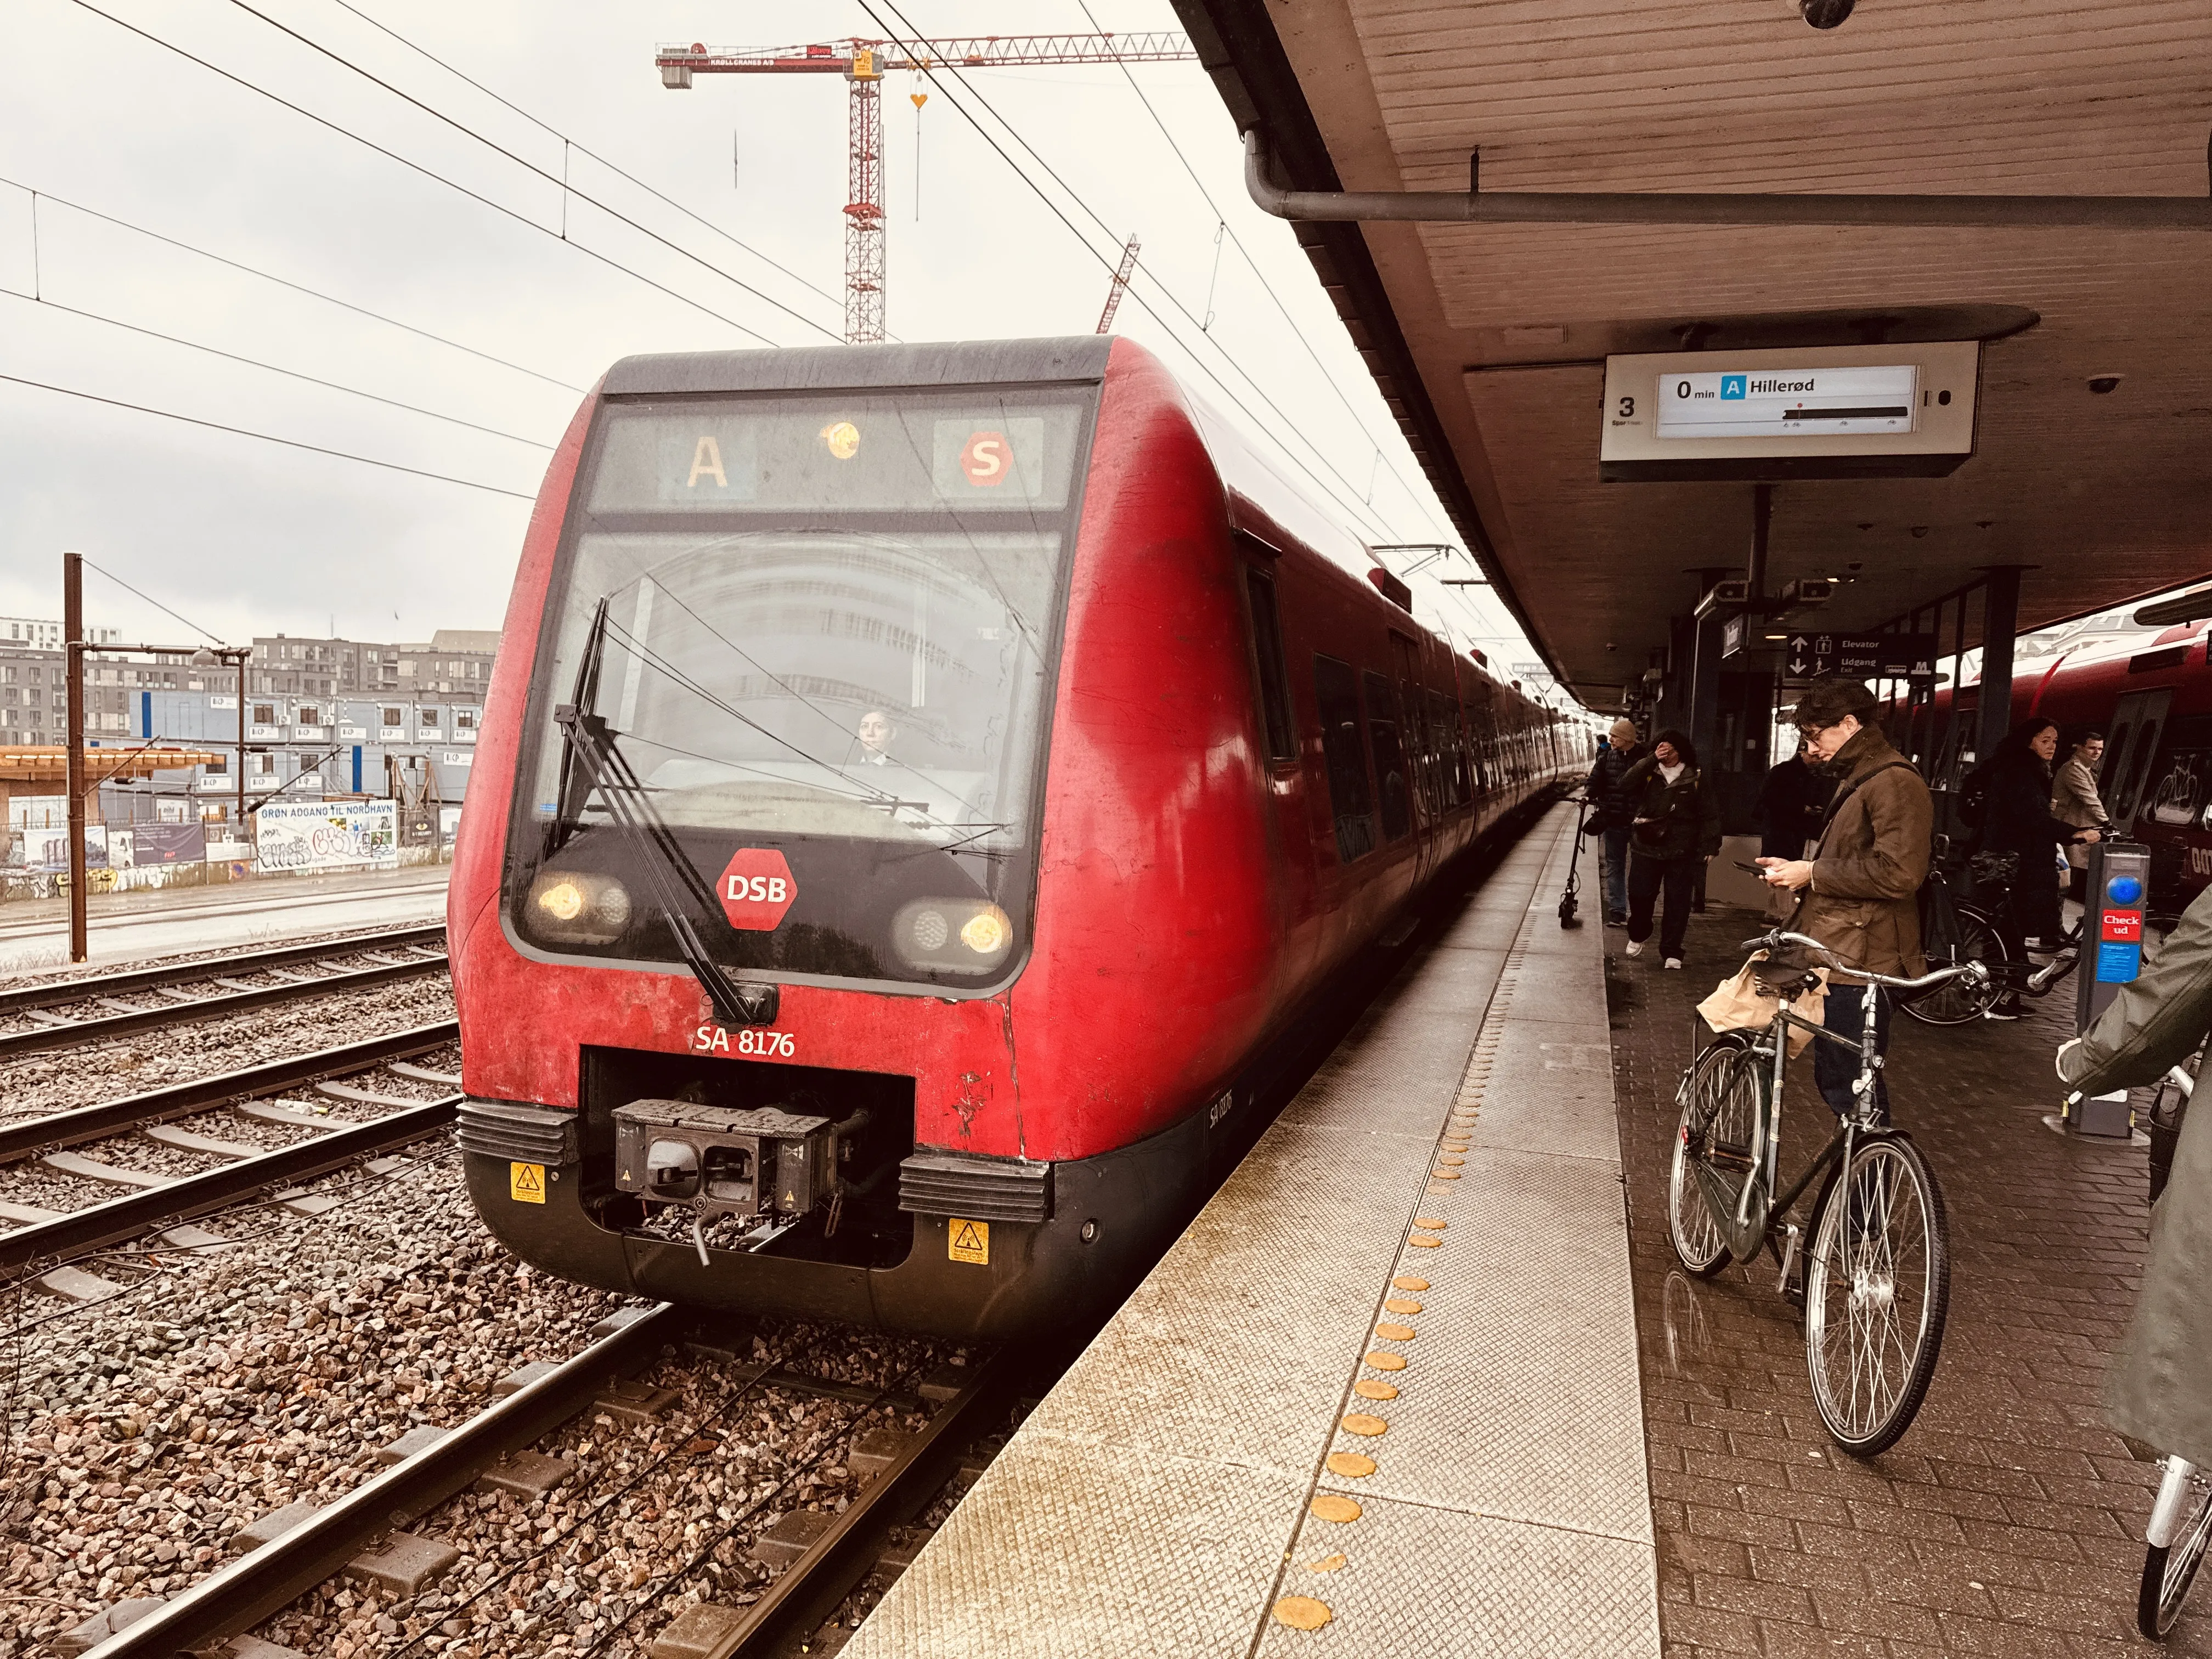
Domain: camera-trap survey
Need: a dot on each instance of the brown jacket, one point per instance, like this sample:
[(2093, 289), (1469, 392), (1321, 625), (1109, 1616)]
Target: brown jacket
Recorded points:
[(1863, 902)]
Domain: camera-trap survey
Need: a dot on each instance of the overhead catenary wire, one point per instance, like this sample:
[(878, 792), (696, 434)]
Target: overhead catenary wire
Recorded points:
[(174, 614), (266, 437), (586, 150), (1349, 500), (38, 195), (1297, 332), (273, 369), (500, 208), (524, 161)]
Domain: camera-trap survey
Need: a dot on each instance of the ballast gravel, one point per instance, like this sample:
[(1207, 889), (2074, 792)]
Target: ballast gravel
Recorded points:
[(64, 1078)]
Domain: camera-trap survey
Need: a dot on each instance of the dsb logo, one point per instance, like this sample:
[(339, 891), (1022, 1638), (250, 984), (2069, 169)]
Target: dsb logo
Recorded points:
[(757, 888)]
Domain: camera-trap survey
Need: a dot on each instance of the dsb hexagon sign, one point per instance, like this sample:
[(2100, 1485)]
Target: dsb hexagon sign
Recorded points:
[(757, 888)]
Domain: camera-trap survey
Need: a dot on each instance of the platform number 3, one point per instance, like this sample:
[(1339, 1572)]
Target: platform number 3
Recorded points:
[(1628, 408)]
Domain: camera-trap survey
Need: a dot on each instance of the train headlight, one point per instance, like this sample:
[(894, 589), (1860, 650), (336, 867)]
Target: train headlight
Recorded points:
[(953, 935), (577, 906), (985, 933)]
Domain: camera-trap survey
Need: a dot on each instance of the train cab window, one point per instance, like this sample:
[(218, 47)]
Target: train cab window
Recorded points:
[(1274, 683), (1336, 687), (1391, 776)]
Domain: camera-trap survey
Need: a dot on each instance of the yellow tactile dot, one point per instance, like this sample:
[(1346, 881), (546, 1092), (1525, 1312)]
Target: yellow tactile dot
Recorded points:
[(1434, 1223), (1394, 1332), (1301, 1612), (1401, 1304), (1386, 1362), (1350, 1465), (1368, 1389), (1449, 1162), (1454, 1146), (1361, 1423), (1408, 1282), (1421, 1243), (1334, 1506), (1327, 1564), (1444, 1175)]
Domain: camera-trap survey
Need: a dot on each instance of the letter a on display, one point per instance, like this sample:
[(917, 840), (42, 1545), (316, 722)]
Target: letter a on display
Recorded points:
[(707, 463)]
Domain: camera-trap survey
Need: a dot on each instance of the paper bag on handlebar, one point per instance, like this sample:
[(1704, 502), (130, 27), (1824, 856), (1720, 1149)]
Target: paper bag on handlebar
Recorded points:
[(1742, 1000)]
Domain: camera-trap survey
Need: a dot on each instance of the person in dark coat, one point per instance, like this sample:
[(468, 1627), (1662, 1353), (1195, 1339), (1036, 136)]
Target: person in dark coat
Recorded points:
[(2016, 819), (2155, 1388), (1791, 803), (1675, 827), (1610, 813)]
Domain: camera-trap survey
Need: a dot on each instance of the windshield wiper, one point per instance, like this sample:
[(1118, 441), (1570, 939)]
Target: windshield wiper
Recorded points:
[(592, 764)]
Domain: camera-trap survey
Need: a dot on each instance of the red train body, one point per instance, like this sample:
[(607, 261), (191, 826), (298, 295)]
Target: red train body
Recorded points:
[(1013, 970), (2154, 704)]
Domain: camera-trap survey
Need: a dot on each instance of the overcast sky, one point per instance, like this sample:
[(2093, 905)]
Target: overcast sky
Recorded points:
[(245, 537)]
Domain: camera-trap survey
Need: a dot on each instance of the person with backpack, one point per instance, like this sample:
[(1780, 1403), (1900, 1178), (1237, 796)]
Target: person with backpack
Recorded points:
[(1675, 826), (1858, 892), (1610, 814), (2008, 799)]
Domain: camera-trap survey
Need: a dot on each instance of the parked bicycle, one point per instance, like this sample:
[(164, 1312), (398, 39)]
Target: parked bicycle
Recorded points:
[(1982, 928), (1876, 1282)]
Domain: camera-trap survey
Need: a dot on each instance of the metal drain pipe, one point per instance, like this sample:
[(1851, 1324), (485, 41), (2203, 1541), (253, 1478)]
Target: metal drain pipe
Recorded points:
[(1516, 207)]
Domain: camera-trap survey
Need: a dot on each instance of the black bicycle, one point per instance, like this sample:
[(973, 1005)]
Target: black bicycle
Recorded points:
[(1980, 937)]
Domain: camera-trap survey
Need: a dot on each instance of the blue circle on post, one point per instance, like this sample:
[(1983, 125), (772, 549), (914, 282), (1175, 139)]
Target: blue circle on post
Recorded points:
[(2124, 890)]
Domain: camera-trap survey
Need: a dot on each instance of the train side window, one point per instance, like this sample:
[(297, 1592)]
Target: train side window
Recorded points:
[(1389, 752), (1336, 687), (1274, 683)]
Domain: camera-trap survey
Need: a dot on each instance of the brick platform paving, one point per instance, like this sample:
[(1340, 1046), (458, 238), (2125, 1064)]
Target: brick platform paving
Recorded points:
[(2008, 1521)]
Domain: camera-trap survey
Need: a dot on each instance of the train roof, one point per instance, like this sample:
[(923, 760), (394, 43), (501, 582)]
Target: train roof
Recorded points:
[(856, 368)]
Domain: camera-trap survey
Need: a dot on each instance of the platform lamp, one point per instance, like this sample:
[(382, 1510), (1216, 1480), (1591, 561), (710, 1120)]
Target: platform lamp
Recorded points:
[(236, 657)]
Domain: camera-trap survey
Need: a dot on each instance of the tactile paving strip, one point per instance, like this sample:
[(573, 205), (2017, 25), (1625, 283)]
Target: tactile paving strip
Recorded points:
[(1062, 1553), (1433, 1583)]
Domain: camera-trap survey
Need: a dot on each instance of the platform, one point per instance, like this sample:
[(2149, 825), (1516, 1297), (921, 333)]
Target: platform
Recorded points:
[(1387, 1383)]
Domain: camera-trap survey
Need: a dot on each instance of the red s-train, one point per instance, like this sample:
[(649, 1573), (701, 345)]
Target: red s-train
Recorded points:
[(921, 787), (2154, 704)]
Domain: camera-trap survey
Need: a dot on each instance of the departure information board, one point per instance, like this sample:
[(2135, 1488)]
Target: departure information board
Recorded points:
[(1786, 402)]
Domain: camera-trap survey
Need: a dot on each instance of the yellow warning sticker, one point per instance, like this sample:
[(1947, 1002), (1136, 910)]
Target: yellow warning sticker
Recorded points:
[(526, 1183), (968, 1241)]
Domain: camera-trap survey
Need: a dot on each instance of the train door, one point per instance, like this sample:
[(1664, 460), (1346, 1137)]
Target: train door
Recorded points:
[(1419, 747), (2138, 724)]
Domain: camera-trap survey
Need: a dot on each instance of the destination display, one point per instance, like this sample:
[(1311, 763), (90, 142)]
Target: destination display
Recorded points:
[(1806, 412), (1788, 402)]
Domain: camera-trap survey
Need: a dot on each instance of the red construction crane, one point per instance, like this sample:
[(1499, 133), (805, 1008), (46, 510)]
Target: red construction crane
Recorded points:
[(864, 64)]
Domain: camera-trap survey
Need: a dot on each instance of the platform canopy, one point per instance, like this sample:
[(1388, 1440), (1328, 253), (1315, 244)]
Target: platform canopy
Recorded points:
[(43, 765), (1490, 338)]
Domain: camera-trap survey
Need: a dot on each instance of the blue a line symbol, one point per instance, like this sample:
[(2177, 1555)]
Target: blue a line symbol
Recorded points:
[(1732, 387)]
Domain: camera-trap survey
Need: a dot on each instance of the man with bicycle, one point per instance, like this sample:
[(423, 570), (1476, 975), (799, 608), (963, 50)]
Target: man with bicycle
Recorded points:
[(1858, 892)]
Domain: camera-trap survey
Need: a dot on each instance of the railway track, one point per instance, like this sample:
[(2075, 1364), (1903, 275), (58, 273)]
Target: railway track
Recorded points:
[(154, 1202), (103, 1006), (809, 1589)]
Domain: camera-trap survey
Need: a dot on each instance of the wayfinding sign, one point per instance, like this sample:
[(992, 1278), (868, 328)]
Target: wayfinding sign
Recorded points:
[(1784, 403), (1804, 412), (1860, 656)]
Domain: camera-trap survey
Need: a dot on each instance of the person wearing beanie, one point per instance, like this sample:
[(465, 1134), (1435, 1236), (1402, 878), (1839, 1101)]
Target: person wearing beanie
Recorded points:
[(1611, 811)]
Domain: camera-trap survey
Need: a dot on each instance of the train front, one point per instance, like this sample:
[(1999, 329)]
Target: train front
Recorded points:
[(770, 850)]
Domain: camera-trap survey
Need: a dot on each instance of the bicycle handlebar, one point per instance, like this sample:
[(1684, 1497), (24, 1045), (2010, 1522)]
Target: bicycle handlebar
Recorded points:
[(1780, 936)]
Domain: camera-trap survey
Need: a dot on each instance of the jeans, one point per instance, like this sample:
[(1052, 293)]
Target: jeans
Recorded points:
[(1836, 1069), (1647, 879), (1615, 843)]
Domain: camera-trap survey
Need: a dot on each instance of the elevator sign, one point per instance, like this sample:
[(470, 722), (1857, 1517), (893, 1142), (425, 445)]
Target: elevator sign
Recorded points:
[(1787, 403)]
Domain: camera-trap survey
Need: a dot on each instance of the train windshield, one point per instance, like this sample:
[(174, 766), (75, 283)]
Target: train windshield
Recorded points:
[(803, 643)]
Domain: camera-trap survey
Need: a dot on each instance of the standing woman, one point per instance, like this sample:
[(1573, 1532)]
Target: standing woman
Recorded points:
[(2016, 818), (1676, 828)]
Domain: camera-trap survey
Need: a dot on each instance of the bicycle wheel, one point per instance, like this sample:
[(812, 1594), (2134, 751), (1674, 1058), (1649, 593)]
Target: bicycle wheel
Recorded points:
[(1720, 1118), (2168, 1572), (1955, 1001), (1876, 1290)]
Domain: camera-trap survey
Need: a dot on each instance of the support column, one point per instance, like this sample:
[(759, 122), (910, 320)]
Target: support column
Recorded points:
[(1706, 672), (73, 735), (2000, 621)]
